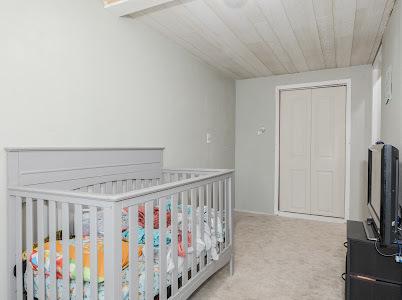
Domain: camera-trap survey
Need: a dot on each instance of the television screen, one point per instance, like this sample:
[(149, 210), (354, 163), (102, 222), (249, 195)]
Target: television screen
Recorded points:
[(383, 173), (374, 194)]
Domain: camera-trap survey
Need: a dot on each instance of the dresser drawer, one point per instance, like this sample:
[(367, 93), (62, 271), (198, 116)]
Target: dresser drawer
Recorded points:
[(364, 288)]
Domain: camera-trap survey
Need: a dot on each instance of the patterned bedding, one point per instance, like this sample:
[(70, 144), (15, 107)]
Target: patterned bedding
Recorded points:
[(209, 243)]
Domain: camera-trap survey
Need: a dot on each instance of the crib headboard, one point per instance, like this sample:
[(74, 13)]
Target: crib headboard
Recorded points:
[(69, 168)]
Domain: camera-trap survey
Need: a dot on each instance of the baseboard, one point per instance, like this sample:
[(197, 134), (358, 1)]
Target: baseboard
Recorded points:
[(295, 215), (311, 217), (252, 212)]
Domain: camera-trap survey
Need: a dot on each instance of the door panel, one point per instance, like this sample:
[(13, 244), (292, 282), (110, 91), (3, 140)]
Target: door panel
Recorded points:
[(295, 132), (312, 151), (328, 151)]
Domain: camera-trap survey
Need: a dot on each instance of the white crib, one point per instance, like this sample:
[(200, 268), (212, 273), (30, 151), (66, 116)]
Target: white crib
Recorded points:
[(153, 227)]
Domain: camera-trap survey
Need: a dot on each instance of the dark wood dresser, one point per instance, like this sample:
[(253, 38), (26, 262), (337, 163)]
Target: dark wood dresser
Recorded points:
[(370, 276)]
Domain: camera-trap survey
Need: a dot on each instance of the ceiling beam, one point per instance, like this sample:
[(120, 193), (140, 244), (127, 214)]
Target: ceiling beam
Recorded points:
[(125, 7)]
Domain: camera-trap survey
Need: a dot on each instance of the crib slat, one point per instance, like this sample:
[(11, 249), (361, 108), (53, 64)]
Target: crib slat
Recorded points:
[(138, 184), (133, 252), (103, 188), (174, 245), (230, 210), (66, 254), (201, 195), (52, 243), (93, 253), (208, 191), (129, 185), (78, 250), (18, 246), (112, 251), (215, 204), (220, 210), (194, 231), (29, 243), (119, 186), (41, 237), (162, 249), (149, 250), (226, 214), (184, 272)]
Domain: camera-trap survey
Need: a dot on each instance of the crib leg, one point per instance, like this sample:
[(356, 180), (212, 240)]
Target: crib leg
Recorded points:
[(231, 265)]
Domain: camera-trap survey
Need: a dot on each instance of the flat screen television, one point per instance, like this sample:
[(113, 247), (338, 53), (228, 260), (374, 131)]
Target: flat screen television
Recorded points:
[(383, 179)]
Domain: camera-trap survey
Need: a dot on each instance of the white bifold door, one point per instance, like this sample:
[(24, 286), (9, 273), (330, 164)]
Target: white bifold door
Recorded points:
[(312, 151)]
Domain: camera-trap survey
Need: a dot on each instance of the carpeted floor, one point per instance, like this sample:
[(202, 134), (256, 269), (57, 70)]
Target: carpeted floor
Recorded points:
[(281, 258)]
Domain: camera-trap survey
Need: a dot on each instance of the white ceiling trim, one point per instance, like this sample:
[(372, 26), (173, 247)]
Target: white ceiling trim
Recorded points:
[(122, 8)]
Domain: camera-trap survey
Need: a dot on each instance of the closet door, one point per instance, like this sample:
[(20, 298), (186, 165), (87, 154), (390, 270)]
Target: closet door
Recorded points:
[(295, 139), (328, 151)]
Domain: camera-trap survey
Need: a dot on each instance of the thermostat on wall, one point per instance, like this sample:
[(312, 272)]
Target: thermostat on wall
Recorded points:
[(261, 130)]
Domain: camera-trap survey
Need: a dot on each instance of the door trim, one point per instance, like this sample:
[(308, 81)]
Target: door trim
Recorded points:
[(332, 83)]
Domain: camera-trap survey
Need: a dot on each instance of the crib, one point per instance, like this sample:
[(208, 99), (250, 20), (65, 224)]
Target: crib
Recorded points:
[(89, 223)]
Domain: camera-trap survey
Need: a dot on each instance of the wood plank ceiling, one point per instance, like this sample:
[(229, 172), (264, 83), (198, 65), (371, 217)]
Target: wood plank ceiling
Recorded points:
[(254, 38)]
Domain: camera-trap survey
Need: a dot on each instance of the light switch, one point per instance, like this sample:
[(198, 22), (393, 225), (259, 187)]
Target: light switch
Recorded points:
[(209, 138)]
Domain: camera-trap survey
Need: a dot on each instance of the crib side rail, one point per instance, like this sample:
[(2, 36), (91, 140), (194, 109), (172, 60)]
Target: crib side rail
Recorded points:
[(40, 214), (196, 207), (176, 174), (122, 185)]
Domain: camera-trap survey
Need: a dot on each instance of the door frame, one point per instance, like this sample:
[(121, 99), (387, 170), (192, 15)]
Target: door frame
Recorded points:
[(322, 84)]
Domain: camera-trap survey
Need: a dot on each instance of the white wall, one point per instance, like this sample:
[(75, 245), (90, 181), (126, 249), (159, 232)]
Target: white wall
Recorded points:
[(391, 114), (73, 75), (255, 155)]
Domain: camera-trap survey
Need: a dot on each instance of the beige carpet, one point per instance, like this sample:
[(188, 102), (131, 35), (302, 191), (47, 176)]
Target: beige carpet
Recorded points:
[(282, 258)]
